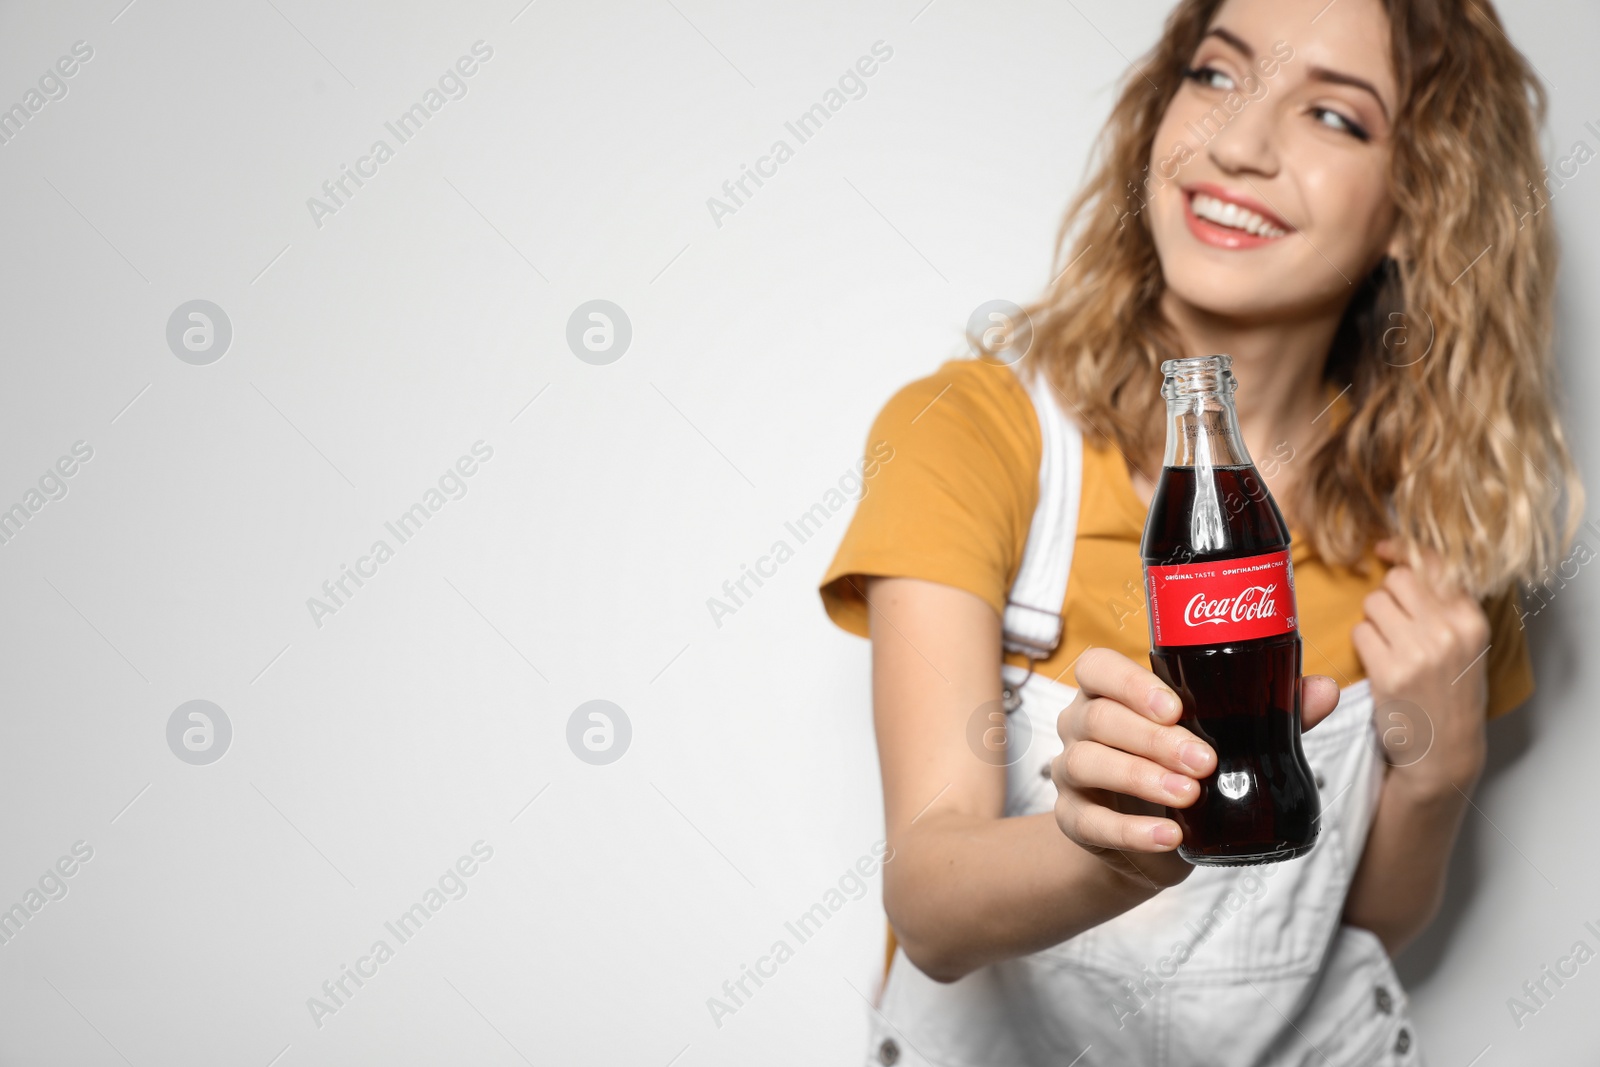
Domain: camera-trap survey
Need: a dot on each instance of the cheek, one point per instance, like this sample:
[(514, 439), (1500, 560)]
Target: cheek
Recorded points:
[(1352, 206), (1171, 150), (1170, 155)]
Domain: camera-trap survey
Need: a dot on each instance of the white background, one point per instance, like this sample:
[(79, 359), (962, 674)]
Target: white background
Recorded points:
[(369, 352)]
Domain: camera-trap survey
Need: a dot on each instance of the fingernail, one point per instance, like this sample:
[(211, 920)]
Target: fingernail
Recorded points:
[(1193, 756), (1166, 834), (1177, 785)]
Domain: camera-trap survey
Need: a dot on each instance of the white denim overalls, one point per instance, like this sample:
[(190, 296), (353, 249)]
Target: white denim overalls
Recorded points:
[(1234, 966)]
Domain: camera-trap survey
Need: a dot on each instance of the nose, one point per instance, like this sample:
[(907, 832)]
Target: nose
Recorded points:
[(1248, 142)]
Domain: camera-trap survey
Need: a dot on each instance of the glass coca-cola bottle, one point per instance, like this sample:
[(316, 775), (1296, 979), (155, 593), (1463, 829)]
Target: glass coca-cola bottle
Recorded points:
[(1220, 594)]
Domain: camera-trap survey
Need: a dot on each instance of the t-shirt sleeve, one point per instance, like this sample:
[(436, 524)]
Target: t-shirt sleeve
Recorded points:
[(1509, 666), (951, 481)]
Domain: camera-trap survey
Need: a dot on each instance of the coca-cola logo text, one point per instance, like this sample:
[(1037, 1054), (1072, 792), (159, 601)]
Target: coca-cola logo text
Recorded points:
[(1256, 602), (1221, 601)]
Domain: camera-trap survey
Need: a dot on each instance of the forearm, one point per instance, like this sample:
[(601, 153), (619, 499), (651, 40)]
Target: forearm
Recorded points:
[(964, 890), (1399, 882)]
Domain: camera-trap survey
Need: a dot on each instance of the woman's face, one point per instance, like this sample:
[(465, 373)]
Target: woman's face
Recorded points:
[(1270, 167)]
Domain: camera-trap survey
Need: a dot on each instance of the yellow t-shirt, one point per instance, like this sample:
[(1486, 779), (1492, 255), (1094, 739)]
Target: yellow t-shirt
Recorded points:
[(954, 501)]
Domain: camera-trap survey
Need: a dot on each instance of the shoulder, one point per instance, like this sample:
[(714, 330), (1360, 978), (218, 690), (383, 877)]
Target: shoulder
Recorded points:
[(1510, 666), (949, 492), (980, 409)]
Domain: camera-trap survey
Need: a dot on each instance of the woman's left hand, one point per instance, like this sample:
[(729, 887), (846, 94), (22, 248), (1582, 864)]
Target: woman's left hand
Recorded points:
[(1424, 645)]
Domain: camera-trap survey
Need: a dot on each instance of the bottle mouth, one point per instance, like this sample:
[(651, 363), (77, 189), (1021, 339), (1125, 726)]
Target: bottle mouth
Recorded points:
[(1200, 376)]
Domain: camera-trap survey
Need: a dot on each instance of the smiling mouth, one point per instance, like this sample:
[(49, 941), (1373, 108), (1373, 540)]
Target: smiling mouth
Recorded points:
[(1231, 216)]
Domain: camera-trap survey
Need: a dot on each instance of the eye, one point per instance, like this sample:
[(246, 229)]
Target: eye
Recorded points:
[(1209, 77), (1335, 121)]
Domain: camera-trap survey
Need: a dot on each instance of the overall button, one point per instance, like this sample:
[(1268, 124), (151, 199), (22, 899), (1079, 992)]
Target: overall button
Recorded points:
[(1403, 1041), (1385, 1002), (1321, 782), (888, 1052), (1044, 772)]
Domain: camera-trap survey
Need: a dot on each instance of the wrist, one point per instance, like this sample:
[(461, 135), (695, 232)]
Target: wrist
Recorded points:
[(1429, 785), (1456, 748), (1130, 879)]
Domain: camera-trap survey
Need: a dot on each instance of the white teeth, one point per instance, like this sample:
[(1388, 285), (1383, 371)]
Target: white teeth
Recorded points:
[(1225, 213)]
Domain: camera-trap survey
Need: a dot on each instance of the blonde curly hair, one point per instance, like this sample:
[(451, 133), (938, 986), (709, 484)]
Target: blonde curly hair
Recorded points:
[(1461, 450)]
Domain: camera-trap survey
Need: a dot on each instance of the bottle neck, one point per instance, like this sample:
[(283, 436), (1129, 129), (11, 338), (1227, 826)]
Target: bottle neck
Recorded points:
[(1202, 425), (1203, 431), (1203, 434)]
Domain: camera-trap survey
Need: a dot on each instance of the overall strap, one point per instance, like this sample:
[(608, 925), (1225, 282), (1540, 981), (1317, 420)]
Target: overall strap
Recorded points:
[(1032, 622)]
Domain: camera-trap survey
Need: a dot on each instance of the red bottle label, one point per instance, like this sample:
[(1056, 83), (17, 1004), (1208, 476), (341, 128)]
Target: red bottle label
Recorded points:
[(1221, 602)]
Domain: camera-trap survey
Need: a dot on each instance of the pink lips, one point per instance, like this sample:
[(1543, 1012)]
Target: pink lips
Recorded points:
[(1210, 233)]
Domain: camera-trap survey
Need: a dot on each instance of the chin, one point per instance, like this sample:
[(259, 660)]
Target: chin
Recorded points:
[(1231, 301), (1243, 291), (1249, 286)]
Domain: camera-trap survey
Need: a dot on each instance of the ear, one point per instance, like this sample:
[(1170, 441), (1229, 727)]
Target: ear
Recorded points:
[(1397, 247)]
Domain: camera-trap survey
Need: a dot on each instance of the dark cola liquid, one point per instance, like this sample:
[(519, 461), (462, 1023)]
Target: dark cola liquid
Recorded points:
[(1243, 699)]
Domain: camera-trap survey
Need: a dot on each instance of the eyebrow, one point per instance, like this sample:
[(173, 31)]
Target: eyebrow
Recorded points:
[(1337, 78), (1233, 39), (1317, 73)]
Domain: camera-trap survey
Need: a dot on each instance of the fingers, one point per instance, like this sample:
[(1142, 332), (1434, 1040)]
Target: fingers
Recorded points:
[(1370, 644), (1408, 592), (1426, 573), (1319, 695), (1470, 621), (1096, 827), (1113, 752), (1420, 600), (1394, 552), (1410, 597), (1102, 672), (1112, 724), (1384, 612), (1088, 765)]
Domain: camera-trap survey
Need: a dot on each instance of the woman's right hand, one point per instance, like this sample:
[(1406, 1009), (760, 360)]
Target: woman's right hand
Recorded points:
[(1125, 759)]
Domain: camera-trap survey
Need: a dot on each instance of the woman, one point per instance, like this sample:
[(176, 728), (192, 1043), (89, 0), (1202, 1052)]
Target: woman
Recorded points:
[(1338, 196)]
